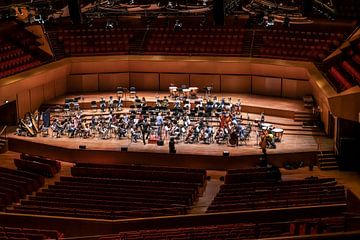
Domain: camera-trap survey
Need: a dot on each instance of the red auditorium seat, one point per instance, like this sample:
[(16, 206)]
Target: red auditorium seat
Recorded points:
[(351, 70), (340, 78)]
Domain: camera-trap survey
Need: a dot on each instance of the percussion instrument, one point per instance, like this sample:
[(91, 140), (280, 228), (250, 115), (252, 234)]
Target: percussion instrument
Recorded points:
[(278, 133), (173, 91), (265, 126), (193, 91), (186, 92)]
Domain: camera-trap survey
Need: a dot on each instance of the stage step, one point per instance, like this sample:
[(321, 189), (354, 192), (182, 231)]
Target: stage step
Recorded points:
[(327, 160), (302, 132), (303, 116), (3, 145)]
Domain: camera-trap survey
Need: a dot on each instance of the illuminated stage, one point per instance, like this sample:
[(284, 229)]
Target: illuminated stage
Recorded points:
[(298, 143)]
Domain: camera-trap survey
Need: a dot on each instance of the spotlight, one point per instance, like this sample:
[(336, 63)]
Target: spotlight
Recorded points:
[(6, 101), (177, 25)]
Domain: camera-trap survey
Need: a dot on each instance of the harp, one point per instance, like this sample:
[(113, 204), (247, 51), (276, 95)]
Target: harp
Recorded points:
[(30, 130), (34, 123)]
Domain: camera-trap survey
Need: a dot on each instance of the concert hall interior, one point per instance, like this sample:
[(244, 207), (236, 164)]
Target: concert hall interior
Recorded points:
[(179, 119)]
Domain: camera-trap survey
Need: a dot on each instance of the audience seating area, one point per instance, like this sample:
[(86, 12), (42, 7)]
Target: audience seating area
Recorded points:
[(298, 45), (240, 230), (13, 59), (94, 41), (344, 69), (10, 233), (15, 184), (36, 164), (253, 192), (118, 192), (195, 41)]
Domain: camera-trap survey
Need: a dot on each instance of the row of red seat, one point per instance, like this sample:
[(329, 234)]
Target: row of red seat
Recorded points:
[(16, 184), (41, 168), (239, 230), (260, 188), (52, 162), (19, 68), (28, 233), (142, 173), (14, 62), (12, 53), (118, 192)]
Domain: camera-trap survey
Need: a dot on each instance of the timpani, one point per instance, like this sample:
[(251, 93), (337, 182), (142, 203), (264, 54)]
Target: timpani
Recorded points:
[(278, 133), (186, 92), (173, 91), (193, 91)]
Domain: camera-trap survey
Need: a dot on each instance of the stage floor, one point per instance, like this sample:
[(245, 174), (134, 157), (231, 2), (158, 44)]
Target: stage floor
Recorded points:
[(295, 138), (296, 141)]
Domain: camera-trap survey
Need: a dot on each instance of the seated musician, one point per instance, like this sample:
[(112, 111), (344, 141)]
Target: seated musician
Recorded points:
[(21, 130), (102, 104), (143, 102), (165, 102), (135, 134), (111, 104), (120, 104), (177, 103)]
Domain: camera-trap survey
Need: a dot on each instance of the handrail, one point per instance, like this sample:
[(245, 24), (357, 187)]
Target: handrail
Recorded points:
[(3, 130)]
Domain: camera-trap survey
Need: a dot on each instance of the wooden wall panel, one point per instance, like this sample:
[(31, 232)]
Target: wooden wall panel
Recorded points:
[(145, 81), (110, 81), (295, 88), (74, 83), (204, 80), (23, 103), (36, 97), (235, 84), (60, 87), (98, 64), (49, 90), (177, 79), (90, 82), (266, 86)]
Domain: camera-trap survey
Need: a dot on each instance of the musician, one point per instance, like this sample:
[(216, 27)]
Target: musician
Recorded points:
[(137, 102), (262, 117), (111, 104), (102, 104), (172, 145), (143, 102), (21, 130), (165, 102), (159, 123), (135, 134), (208, 134), (56, 128), (177, 104), (119, 104)]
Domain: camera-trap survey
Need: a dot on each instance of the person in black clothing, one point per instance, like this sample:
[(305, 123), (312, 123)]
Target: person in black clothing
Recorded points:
[(172, 145)]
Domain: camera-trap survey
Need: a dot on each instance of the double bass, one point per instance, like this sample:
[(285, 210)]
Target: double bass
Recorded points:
[(233, 140)]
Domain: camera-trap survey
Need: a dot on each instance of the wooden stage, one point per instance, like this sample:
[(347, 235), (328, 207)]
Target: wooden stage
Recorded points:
[(297, 144)]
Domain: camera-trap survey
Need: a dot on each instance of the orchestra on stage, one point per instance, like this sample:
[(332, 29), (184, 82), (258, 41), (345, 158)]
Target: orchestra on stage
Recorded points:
[(189, 119)]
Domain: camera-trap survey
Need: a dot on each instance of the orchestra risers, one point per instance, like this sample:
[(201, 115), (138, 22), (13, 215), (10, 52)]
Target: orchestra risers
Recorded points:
[(274, 106)]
